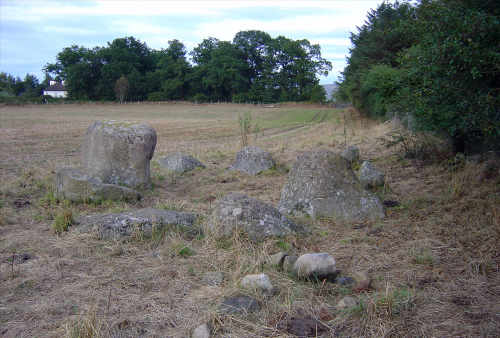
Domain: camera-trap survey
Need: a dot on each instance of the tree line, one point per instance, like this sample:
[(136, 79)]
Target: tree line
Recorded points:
[(436, 61), (252, 67), (29, 87)]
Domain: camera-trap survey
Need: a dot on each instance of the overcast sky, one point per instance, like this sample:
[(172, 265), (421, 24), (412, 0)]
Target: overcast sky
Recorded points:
[(33, 32)]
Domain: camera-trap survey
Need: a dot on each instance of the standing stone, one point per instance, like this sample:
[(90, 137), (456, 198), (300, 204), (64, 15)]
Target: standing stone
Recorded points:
[(322, 184), (119, 152), (258, 220), (369, 177), (252, 160), (180, 163)]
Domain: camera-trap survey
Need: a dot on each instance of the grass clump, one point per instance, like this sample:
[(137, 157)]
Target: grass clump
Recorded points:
[(63, 221)]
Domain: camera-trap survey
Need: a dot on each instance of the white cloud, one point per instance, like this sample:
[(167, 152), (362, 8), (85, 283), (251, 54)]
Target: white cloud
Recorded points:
[(333, 56), (67, 30), (133, 27), (334, 42)]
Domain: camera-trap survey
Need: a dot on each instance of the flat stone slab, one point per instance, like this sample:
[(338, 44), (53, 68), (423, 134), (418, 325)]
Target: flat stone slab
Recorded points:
[(180, 163), (73, 185), (239, 305), (144, 221)]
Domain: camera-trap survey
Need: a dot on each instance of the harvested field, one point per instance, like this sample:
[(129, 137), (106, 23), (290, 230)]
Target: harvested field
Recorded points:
[(434, 261)]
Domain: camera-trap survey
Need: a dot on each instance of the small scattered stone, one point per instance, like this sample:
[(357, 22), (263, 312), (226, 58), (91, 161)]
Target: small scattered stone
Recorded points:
[(258, 282), (361, 276), (277, 259), (361, 286), (252, 160), (318, 266), (344, 280), (288, 263), (351, 154), (474, 159), (239, 305), (180, 163), (487, 167), (201, 331), (460, 156), (212, 278), (369, 177), (306, 327), (346, 302)]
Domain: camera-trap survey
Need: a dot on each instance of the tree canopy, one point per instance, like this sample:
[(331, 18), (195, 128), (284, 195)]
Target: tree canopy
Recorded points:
[(254, 66), (438, 61)]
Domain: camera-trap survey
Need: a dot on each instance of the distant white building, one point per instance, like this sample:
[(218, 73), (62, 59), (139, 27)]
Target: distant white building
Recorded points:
[(55, 89)]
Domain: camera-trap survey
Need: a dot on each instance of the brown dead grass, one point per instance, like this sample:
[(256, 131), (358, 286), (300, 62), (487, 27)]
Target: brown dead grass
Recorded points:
[(434, 261)]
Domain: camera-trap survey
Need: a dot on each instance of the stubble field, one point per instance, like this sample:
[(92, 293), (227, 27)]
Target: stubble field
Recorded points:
[(434, 261)]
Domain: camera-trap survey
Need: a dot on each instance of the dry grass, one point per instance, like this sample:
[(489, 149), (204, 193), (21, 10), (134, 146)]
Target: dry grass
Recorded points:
[(434, 260)]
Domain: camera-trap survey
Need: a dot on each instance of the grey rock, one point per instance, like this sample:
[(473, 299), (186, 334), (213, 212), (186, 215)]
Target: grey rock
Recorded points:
[(258, 282), (73, 185), (239, 305), (252, 160), (318, 266), (119, 153), (322, 184), (460, 156), (201, 331), (143, 222), (346, 302), (487, 167), (351, 154), (361, 276), (288, 263), (344, 281), (369, 177), (474, 159), (277, 259), (256, 219), (212, 278), (180, 163)]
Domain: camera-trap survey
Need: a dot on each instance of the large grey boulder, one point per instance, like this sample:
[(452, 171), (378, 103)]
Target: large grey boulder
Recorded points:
[(141, 222), (180, 163), (369, 177), (73, 185), (322, 184), (252, 160), (119, 152), (318, 266), (238, 212)]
